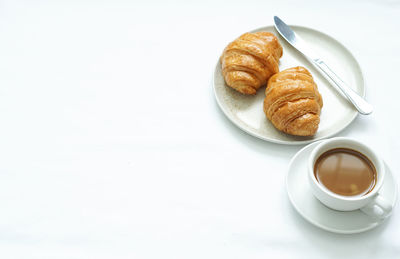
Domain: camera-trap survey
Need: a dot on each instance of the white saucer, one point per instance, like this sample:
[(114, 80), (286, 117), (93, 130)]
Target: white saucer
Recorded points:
[(318, 214)]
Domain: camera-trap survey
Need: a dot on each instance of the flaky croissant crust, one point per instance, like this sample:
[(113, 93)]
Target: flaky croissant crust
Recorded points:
[(250, 60), (293, 103)]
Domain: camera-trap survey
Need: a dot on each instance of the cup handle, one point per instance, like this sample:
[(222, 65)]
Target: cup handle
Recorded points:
[(378, 208)]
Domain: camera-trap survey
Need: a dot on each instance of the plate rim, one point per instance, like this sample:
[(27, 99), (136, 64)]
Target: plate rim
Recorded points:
[(333, 230), (285, 142)]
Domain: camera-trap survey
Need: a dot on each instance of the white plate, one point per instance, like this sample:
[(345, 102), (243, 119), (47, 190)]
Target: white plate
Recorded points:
[(246, 112), (318, 214)]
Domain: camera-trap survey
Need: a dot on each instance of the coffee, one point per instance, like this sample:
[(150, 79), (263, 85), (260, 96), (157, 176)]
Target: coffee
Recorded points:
[(345, 172)]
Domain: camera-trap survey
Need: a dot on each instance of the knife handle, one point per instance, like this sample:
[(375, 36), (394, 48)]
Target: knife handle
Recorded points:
[(361, 105)]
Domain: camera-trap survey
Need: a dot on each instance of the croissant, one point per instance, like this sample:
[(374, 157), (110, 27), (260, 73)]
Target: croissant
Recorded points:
[(292, 102), (250, 60)]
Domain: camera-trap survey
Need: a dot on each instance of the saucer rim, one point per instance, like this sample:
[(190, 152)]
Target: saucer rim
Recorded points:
[(323, 226)]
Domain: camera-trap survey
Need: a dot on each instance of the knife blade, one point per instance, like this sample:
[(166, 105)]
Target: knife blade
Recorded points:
[(298, 43)]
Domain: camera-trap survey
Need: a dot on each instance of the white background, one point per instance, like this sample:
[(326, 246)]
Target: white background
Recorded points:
[(112, 144)]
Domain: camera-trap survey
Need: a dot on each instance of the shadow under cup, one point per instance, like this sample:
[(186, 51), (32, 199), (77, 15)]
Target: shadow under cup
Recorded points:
[(339, 200)]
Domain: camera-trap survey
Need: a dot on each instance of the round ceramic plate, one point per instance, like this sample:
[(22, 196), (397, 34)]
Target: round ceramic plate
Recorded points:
[(316, 213), (246, 112)]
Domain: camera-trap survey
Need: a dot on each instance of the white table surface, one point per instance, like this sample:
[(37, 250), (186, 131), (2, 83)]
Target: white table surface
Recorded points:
[(112, 144)]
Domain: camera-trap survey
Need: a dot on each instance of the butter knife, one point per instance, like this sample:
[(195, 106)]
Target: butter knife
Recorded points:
[(298, 43)]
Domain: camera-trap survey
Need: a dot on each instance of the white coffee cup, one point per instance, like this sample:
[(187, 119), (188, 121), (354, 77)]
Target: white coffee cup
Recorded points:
[(372, 203)]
